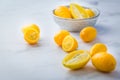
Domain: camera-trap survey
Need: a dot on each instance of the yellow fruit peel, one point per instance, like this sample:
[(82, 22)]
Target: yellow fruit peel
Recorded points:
[(76, 59), (77, 11), (58, 38), (88, 34), (63, 11), (98, 47), (104, 62)]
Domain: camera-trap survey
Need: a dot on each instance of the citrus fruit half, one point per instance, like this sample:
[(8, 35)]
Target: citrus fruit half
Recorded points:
[(76, 59), (77, 11), (69, 43)]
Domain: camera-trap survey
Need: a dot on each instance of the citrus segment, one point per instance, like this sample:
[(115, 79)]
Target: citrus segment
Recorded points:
[(69, 43), (58, 38), (76, 59), (78, 11)]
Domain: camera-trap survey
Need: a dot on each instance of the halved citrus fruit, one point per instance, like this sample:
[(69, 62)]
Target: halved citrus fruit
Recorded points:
[(69, 43), (78, 11), (58, 38), (76, 59), (31, 35), (98, 47)]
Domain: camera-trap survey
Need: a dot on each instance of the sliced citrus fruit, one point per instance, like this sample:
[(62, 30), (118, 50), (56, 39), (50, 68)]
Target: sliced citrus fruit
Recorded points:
[(63, 11), (58, 38), (34, 26), (78, 11), (104, 62), (69, 43), (88, 34), (76, 59), (98, 47), (90, 12), (31, 36)]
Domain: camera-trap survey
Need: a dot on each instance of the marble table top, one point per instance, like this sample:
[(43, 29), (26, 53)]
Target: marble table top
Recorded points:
[(20, 61)]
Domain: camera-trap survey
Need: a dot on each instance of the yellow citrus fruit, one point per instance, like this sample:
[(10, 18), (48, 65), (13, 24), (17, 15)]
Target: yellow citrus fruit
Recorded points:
[(31, 35), (69, 43), (77, 11), (98, 47), (58, 38), (76, 59), (34, 26), (63, 11), (88, 34), (90, 12), (104, 62)]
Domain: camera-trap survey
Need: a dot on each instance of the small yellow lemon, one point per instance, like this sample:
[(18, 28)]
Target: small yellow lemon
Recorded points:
[(104, 62), (76, 59), (58, 38), (69, 43), (98, 47), (31, 35), (90, 12), (63, 11), (77, 11), (88, 34)]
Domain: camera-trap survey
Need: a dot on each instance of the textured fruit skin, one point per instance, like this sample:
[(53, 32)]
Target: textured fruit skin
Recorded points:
[(63, 11), (69, 42), (98, 47), (104, 62), (88, 34), (58, 38), (77, 65)]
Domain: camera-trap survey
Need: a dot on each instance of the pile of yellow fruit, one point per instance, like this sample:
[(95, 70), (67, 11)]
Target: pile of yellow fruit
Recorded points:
[(31, 33), (76, 59), (74, 11)]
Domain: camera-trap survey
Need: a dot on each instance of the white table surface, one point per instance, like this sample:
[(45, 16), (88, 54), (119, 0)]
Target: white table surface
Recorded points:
[(20, 61)]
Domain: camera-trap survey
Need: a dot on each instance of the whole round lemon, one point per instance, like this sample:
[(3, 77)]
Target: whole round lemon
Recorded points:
[(104, 62), (88, 34), (98, 47), (63, 11)]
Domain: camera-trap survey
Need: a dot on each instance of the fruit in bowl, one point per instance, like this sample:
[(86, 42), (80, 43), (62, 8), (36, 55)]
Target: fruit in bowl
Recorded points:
[(75, 17)]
